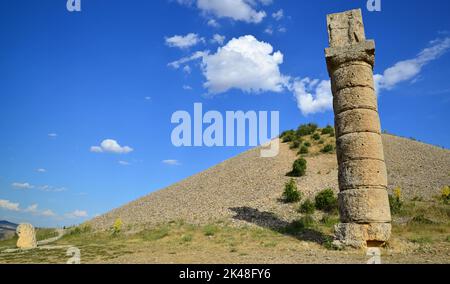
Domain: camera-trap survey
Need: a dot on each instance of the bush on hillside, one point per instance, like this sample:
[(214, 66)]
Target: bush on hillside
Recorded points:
[(395, 201), (307, 207), (328, 130), (327, 149), (304, 150), (326, 201), (299, 167), (306, 129), (291, 193)]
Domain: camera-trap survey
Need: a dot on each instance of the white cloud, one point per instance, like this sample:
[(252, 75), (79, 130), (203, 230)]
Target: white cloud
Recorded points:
[(219, 39), (312, 96), (49, 188), (187, 87), (24, 185), (315, 96), (187, 69), (244, 63), (408, 69), (269, 30), (111, 146), (52, 135), (171, 162), (32, 208), (8, 205), (124, 163), (48, 213), (177, 64), (213, 23), (278, 15), (77, 214), (238, 10), (41, 170), (184, 42)]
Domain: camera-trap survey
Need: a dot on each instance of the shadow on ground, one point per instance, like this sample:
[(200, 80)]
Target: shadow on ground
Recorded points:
[(270, 221)]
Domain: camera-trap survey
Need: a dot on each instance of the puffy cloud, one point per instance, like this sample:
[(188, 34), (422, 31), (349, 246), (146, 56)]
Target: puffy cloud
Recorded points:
[(238, 10), (312, 96), (408, 69), (111, 146), (244, 63), (41, 170), (183, 42), (24, 185), (8, 205), (219, 39), (315, 96), (77, 214), (171, 162)]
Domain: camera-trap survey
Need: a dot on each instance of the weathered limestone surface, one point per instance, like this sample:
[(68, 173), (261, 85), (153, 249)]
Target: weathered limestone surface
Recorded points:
[(363, 198), (27, 236)]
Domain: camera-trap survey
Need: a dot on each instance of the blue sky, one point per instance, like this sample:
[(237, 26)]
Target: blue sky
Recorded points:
[(71, 80)]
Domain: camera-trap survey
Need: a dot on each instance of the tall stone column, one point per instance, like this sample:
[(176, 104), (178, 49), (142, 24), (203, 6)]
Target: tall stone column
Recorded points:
[(363, 199)]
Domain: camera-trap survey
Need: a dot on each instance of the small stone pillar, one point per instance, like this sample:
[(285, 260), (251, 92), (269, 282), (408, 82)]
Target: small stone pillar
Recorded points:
[(363, 199), (27, 236)]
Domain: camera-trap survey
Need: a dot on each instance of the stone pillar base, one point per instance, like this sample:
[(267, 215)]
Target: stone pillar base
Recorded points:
[(361, 236)]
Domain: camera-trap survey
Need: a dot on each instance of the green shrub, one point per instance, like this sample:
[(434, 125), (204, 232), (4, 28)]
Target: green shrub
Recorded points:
[(299, 167), (291, 193), (117, 226), (307, 207), (288, 136), (304, 150), (329, 220), (395, 201), (421, 219), (326, 201), (316, 136), (296, 144), (307, 144), (210, 230), (328, 130), (306, 129), (445, 195), (186, 238), (321, 142), (156, 233), (305, 222), (327, 149)]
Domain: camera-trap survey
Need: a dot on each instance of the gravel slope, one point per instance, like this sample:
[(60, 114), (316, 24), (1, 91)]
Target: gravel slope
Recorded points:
[(247, 187)]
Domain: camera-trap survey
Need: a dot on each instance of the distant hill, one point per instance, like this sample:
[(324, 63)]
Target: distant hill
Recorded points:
[(248, 184), (7, 230)]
